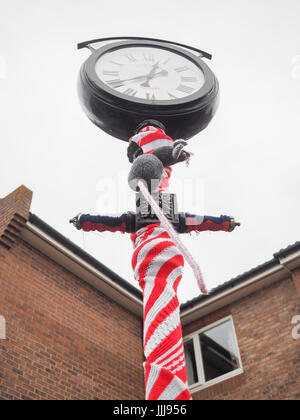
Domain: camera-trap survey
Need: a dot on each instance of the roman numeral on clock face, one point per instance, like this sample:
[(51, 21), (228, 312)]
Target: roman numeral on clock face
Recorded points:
[(116, 63), (172, 96), (149, 57), (130, 57), (110, 73), (130, 92), (115, 83), (152, 98), (189, 79), (185, 89), (180, 69)]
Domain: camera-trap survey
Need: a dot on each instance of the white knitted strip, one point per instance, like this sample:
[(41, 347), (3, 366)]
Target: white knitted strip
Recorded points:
[(175, 387), (164, 329), (165, 297), (165, 362), (152, 378), (178, 368), (154, 267), (139, 136), (143, 251), (157, 232), (142, 254), (141, 235), (173, 365), (179, 343), (155, 144)]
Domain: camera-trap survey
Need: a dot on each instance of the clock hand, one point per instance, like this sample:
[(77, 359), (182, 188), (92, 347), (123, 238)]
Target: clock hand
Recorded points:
[(150, 75), (119, 83), (161, 73), (152, 71)]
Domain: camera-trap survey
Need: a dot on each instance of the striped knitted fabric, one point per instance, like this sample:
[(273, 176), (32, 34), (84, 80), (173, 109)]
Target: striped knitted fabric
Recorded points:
[(149, 139), (157, 266)]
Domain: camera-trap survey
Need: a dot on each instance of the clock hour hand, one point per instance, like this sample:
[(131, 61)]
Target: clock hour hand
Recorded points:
[(150, 75), (161, 73)]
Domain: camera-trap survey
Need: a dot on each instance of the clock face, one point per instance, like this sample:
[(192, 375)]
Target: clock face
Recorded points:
[(149, 73)]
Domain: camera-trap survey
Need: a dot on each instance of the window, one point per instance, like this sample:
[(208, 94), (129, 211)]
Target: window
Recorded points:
[(212, 355)]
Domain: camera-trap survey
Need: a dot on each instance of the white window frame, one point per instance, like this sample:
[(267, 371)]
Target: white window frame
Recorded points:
[(201, 384)]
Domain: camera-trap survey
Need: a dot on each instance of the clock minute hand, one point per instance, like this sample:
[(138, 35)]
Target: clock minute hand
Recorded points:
[(148, 76), (118, 83)]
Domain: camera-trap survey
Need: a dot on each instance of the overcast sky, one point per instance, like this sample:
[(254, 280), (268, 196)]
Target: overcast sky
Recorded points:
[(246, 162)]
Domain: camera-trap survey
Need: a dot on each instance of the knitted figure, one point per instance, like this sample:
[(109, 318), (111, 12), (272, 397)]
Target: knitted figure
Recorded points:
[(157, 262)]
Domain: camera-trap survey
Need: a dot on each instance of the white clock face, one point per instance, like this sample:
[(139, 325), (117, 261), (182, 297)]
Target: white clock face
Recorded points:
[(150, 73)]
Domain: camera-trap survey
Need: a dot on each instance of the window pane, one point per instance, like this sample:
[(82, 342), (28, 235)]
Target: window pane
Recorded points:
[(190, 362), (219, 352)]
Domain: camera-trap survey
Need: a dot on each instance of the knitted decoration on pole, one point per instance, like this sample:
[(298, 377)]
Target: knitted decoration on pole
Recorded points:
[(158, 259), (157, 265)]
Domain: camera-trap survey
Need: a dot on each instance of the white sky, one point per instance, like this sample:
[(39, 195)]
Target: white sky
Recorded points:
[(246, 161)]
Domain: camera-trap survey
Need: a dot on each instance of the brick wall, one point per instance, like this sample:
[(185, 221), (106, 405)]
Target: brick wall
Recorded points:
[(14, 211), (270, 356), (65, 340), (296, 278)]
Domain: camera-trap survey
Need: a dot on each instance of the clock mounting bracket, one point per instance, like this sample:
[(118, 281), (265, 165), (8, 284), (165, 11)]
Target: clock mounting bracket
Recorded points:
[(88, 44)]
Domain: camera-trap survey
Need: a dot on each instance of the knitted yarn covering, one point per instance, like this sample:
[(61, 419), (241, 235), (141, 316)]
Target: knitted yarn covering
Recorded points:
[(157, 265), (149, 139)]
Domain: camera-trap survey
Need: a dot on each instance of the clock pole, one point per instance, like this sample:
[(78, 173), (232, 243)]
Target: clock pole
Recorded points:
[(149, 126)]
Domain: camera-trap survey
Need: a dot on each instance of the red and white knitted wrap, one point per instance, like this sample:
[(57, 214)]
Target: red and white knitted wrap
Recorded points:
[(149, 139), (157, 265)]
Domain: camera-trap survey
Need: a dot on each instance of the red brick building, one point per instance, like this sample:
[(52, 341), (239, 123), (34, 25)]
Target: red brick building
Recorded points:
[(70, 328)]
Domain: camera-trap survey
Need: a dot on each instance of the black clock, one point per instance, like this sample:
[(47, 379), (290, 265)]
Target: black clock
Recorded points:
[(126, 82)]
